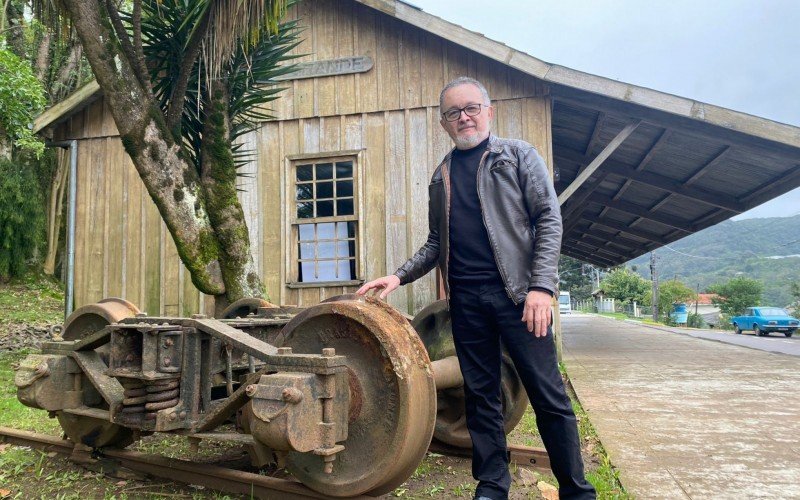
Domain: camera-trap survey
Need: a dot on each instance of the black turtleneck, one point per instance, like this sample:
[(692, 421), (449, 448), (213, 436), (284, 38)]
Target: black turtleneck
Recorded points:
[(471, 256)]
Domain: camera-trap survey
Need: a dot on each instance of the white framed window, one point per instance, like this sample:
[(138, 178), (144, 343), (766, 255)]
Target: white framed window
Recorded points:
[(324, 214)]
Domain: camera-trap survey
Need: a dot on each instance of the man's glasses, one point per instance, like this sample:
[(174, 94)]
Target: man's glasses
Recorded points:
[(454, 114)]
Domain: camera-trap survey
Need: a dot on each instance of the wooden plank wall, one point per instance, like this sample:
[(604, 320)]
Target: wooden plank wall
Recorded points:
[(390, 112), (410, 66)]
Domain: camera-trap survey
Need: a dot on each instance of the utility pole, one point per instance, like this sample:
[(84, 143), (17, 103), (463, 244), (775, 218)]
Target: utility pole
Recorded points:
[(654, 276), (697, 300)]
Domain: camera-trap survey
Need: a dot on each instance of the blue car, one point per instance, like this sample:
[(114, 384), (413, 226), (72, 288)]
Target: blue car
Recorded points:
[(765, 320)]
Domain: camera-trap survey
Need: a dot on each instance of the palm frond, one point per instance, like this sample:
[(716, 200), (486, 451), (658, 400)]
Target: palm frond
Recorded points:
[(250, 71)]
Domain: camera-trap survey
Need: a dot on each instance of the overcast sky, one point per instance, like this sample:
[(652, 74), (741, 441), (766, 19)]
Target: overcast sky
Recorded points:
[(743, 55)]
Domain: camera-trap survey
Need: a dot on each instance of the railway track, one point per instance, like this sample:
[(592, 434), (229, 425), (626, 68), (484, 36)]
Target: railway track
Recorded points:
[(216, 477)]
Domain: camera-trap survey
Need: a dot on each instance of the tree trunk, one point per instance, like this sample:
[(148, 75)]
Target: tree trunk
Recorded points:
[(55, 210), (43, 57), (218, 176), (68, 77), (171, 181)]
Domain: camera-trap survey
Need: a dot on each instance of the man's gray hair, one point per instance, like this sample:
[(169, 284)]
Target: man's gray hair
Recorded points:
[(464, 80)]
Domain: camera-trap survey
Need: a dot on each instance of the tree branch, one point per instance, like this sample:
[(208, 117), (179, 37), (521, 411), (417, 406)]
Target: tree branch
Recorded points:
[(137, 35), (190, 55), (127, 47)]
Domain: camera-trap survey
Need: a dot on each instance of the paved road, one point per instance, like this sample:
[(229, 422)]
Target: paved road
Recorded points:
[(775, 342), (685, 418)]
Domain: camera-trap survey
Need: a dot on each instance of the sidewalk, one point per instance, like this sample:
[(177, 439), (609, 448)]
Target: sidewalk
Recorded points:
[(687, 418)]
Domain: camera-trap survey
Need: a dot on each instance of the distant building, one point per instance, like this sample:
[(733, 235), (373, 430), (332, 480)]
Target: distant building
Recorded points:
[(706, 309)]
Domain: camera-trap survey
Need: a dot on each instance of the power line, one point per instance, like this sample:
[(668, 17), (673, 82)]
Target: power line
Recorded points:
[(693, 256)]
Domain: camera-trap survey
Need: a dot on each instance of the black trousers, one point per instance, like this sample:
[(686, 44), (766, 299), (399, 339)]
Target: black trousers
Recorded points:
[(483, 316)]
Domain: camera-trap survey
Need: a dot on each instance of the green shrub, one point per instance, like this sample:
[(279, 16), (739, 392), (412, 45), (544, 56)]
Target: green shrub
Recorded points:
[(22, 224), (696, 321)]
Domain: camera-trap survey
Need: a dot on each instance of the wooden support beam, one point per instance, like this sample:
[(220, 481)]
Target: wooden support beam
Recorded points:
[(595, 164), (691, 180), (703, 195), (674, 186), (604, 243), (588, 257), (599, 252), (639, 233), (657, 145), (614, 238), (598, 126), (598, 247), (576, 202), (645, 213), (718, 158), (773, 188)]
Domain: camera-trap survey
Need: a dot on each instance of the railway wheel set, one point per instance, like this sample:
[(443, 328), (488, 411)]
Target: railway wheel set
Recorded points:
[(346, 394)]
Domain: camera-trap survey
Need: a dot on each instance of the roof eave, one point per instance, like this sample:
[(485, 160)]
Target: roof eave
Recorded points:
[(561, 75)]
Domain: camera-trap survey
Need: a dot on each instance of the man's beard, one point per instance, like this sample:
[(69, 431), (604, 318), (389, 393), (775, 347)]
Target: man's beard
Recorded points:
[(467, 142)]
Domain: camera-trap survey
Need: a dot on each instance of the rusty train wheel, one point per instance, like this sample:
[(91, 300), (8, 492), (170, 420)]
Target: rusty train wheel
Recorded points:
[(245, 307), (92, 318), (83, 322), (393, 402), (435, 329)]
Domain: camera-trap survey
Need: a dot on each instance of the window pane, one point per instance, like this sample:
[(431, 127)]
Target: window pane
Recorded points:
[(304, 191), (306, 250), (325, 231), (344, 189), (351, 229), (306, 272), (352, 245), (304, 172), (344, 207), (353, 268), (307, 232), (341, 230), (305, 210), (324, 190), (326, 270), (324, 171), (343, 249), (324, 208), (325, 250), (343, 268), (344, 169)]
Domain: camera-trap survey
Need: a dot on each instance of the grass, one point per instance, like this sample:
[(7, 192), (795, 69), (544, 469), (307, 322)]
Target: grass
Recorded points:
[(604, 477), (35, 299), (12, 412)]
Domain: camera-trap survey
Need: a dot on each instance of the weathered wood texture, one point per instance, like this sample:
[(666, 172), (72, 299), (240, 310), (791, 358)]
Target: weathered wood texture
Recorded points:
[(390, 113)]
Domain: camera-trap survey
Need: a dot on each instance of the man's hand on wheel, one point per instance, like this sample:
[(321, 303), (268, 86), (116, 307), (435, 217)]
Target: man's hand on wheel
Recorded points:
[(388, 284), (537, 313)]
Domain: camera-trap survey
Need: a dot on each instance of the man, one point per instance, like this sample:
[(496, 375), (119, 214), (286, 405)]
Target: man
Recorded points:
[(495, 232)]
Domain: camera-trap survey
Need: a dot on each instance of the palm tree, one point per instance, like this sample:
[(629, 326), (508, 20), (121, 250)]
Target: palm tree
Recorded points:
[(183, 79)]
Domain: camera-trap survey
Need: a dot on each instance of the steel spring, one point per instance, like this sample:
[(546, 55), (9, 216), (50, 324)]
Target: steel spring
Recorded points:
[(135, 395), (159, 395)]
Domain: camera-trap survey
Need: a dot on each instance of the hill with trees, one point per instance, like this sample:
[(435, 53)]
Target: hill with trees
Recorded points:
[(767, 250)]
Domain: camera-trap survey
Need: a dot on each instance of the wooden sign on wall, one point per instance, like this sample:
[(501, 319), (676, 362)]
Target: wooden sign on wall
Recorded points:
[(330, 67)]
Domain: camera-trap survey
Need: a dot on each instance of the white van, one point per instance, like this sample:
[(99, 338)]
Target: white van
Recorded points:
[(564, 304)]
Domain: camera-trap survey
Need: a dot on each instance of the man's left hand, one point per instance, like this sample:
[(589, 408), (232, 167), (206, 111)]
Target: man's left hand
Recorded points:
[(538, 312)]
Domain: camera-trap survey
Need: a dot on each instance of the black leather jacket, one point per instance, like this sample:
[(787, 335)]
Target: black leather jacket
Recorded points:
[(520, 211)]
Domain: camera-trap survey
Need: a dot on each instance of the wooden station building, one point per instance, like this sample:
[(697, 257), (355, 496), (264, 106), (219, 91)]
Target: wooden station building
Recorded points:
[(337, 192)]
